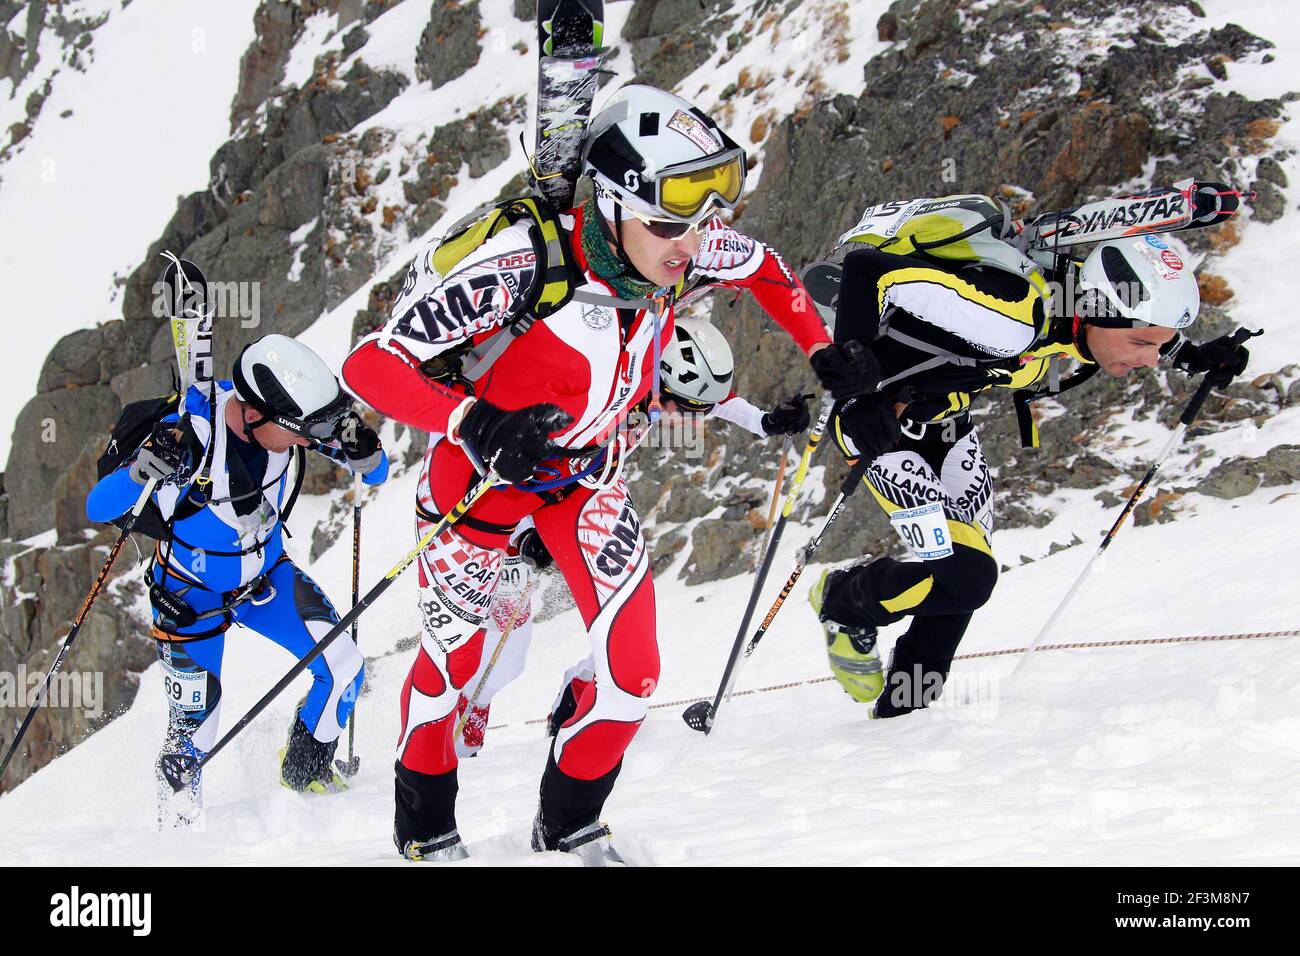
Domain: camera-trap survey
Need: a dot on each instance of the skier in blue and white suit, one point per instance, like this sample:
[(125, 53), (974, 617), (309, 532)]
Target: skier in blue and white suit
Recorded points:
[(223, 488)]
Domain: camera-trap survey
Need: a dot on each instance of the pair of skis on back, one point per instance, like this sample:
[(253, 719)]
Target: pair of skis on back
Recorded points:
[(570, 56)]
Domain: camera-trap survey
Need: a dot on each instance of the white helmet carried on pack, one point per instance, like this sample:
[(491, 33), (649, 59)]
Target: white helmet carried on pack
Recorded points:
[(661, 158), (1138, 281), (291, 386), (696, 367)]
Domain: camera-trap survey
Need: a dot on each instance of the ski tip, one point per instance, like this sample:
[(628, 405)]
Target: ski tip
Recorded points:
[(699, 716)]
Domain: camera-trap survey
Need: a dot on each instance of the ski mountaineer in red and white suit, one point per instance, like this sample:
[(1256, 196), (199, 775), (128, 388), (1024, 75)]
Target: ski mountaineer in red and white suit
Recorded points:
[(596, 366), (562, 388)]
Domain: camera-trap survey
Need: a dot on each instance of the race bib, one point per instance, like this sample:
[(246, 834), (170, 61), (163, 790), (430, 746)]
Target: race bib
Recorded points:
[(507, 600), (186, 690), (924, 530)]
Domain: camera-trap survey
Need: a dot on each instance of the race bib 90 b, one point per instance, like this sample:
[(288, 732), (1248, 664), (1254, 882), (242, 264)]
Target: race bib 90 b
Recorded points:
[(924, 530)]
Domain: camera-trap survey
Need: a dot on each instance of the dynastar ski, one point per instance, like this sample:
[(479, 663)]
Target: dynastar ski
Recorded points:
[(570, 33), (1189, 204)]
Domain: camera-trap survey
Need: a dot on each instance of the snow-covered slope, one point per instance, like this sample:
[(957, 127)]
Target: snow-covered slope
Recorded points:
[(151, 107), (1112, 755)]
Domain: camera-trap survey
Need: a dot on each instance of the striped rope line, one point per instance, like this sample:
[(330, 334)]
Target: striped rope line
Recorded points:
[(1004, 652)]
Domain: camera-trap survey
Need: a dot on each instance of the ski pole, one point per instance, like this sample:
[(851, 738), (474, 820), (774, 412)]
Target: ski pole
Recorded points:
[(515, 619), (700, 716), (776, 492), (181, 769), (352, 765), (1175, 438), (95, 588), (805, 555)]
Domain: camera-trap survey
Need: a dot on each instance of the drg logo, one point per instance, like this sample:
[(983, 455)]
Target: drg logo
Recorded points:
[(77, 909)]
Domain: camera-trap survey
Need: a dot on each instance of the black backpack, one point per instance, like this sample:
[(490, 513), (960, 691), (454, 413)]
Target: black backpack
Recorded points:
[(136, 423)]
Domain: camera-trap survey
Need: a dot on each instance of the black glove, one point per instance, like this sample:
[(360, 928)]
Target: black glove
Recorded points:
[(1221, 358), (865, 426), (518, 441), (846, 370), (360, 443), (533, 550), (159, 458), (789, 418)]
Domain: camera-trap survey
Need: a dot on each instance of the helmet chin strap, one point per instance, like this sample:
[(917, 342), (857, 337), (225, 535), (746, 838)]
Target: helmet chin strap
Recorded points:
[(616, 237), (1081, 338), (250, 426), (610, 209)]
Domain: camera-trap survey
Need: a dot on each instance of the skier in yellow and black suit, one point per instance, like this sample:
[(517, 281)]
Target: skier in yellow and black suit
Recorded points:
[(914, 341)]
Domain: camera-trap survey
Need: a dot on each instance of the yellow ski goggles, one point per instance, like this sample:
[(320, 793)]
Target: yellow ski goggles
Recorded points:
[(688, 189)]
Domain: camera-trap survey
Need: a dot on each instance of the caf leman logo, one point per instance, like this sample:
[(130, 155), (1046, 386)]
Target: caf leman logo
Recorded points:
[(75, 908)]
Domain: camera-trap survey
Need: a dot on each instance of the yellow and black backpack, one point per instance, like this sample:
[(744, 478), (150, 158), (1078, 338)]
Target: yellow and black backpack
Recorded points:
[(556, 270)]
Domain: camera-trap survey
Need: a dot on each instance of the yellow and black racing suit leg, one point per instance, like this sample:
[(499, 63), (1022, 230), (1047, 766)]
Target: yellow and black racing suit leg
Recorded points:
[(937, 492)]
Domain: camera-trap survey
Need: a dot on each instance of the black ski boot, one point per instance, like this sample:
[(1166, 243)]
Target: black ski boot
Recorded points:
[(424, 825), (590, 844), (307, 765), (447, 848), (568, 816)]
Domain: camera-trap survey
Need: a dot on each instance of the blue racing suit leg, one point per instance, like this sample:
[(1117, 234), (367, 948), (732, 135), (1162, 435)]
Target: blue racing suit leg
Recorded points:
[(294, 613)]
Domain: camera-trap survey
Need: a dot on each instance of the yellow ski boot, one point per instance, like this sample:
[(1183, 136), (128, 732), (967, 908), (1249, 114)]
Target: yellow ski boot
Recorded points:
[(851, 650)]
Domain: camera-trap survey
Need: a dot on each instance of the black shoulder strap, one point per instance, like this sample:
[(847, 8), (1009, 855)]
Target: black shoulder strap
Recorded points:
[(1025, 397), (299, 476), (557, 273)]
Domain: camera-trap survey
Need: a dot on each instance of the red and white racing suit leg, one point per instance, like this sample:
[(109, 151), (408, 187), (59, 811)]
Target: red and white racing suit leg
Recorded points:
[(596, 540), (457, 579)]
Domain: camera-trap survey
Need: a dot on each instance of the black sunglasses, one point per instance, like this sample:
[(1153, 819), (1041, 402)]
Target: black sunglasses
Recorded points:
[(666, 228)]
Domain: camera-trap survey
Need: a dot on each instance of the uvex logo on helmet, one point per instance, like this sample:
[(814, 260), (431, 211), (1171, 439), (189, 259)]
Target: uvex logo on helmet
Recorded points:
[(290, 386)]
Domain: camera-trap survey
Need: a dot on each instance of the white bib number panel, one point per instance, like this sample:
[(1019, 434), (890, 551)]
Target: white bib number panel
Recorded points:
[(924, 530), (185, 690)]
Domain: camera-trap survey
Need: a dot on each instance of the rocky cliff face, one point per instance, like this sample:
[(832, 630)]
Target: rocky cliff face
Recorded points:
[(305, 208), (1122, 94)]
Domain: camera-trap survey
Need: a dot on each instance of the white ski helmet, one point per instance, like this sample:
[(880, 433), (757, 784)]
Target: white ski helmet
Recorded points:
[(661, 158), (291, 386), (696, 367), (1138, 281)]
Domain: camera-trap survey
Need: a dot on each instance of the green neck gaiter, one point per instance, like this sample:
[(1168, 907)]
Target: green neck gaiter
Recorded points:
[(604, 261)]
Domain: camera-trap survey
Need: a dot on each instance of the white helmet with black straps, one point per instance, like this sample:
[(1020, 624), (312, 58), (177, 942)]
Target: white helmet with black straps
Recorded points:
[(291, 386), (696, 367), (661, 158), (1135, 282)]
